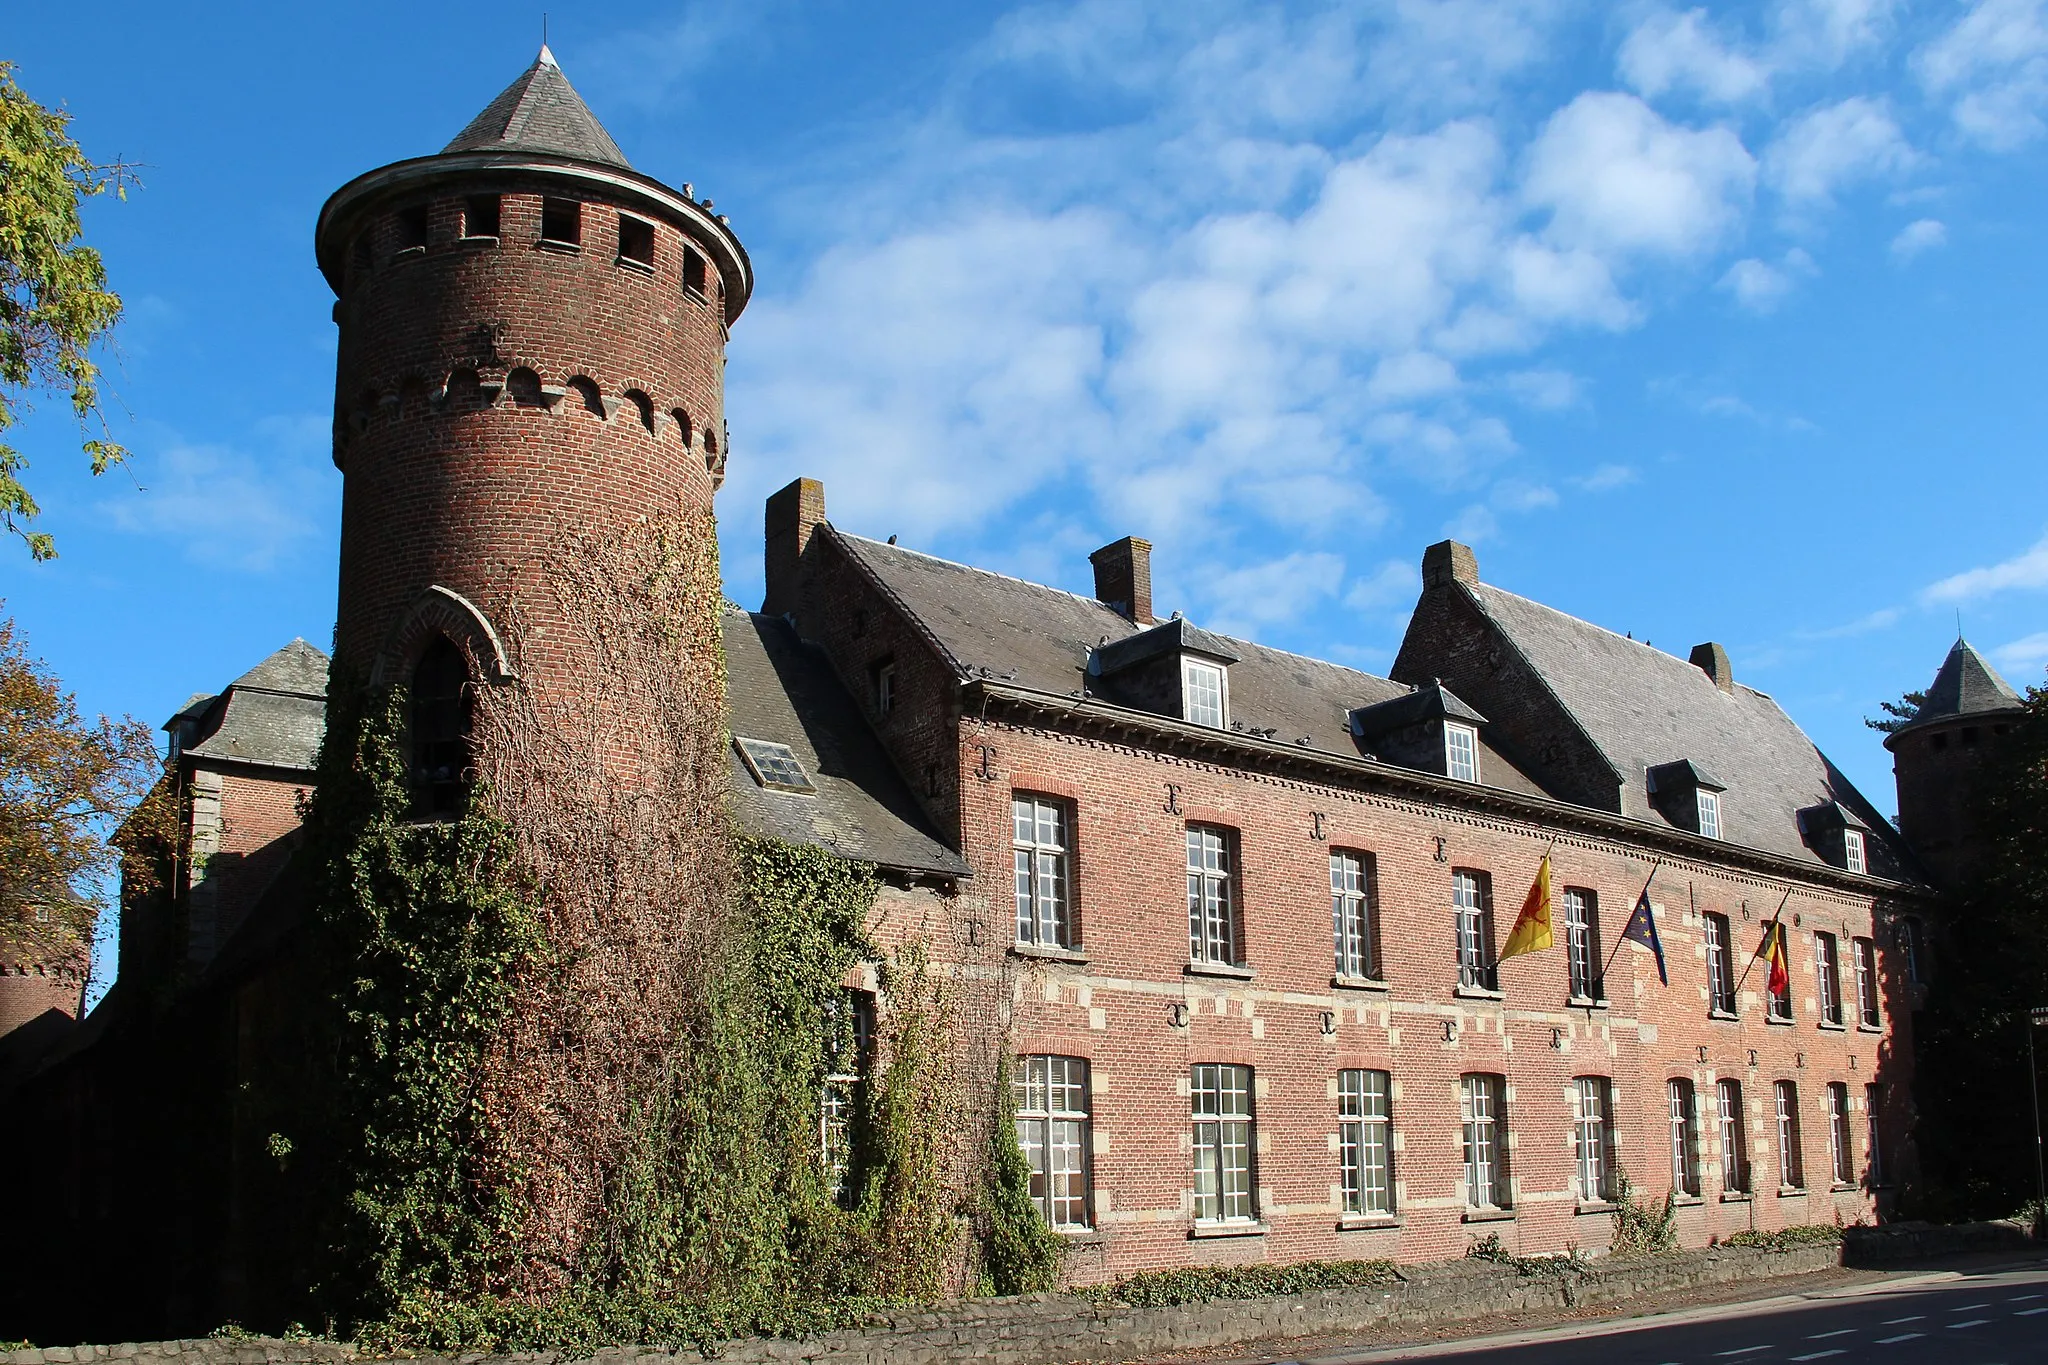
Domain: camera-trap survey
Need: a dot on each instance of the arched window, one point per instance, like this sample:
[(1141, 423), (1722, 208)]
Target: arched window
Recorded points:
[(440, 731)]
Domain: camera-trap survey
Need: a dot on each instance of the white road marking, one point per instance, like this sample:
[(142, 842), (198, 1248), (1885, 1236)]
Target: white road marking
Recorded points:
[(1745, 1350), (1969, 1308), (1820, 1355), (1972, 1322), (1894, 1322), (2029, 1312), (2022, 1298), (1838, 1332), (1903, 1336)]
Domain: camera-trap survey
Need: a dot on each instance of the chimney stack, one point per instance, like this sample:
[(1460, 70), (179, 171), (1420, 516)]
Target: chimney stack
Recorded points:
[(1712, 660), (1448, 562), (793, 513), (1123, 578)]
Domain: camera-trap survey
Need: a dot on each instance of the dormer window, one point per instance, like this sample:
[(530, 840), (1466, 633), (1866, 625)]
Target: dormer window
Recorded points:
[(1687, 795), (1461, 752), (1204, 697), (1710, 814), (1852, 851)]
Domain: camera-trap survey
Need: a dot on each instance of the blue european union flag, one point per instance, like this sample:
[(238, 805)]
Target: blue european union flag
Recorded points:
[(1642, 927)]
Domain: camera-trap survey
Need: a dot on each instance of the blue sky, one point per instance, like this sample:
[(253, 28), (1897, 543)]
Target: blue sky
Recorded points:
[(1701, 324)]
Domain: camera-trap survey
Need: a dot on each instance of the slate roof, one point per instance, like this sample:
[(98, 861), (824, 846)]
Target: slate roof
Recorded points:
[(540, 112), (1434, 702), (784, 691), (1643, 708), (1967, 685), (991, 625), (274, 715)]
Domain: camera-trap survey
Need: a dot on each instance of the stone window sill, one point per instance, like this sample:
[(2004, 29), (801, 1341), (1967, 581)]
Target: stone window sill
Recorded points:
[(477, 241), (1585, 1002), (1842, 1187), (1488, 1216), (1080, 1237), (564, 248), (1476, 993), (1833, 1026), (1774, 1021), (690, 292), (1687, 1201), (637, 267), (1223, 969), (1048, 952), (1791, 1192), (1586, 1206), (408, 253), (1727, 1016), (1363, 1222), (1736, 1196), (1201, 1231), (1359, 983), (1870, 1028)]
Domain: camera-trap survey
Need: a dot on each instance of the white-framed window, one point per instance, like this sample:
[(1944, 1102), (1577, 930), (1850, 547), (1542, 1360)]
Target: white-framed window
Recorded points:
[(1582, 943), (1221, 1101), (1204, 694), (1720, 964), (1685, 1143), (1840, 1157), (1052, 1128), (1593, 1136), (1352, 930), (1461, 752), (1471, 903), (884, 676), (1212, 896), (1710, 813), (1873, 1110), (1827, 972), (850, 1034), (1791, 1161), (1913, 943), (1039, 845), (1482, 1101), (1734, 1146), (1866, 981), (1365, 1144), (1852, 850)]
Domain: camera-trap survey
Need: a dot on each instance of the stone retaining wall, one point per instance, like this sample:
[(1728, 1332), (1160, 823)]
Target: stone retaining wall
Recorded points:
[(1055, 1329)]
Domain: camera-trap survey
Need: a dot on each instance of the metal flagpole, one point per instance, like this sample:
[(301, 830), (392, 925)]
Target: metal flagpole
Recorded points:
[(2036, 1019), (1631, 918), (1775, 927)]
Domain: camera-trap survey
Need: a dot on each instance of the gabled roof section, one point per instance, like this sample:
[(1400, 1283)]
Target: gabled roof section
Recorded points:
[(1967, 685), (1177, 636), (540, 112), (1643, 708), (273, 716), (783, 691), (990, 625), (1433, 702)]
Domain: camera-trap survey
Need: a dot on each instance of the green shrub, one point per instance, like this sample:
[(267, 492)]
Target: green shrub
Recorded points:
[(1784, 1239), (1169, 1288)]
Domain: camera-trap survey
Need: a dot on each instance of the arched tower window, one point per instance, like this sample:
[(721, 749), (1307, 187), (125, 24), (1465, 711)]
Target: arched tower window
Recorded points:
[(440, 731)]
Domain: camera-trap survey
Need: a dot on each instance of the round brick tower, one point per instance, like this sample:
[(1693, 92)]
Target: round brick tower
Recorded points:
[(1938, 760), (532, 338)]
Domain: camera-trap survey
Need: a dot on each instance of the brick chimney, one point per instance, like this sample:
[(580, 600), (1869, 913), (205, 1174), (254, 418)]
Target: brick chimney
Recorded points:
[(1448, 562), (793, 513), (1123, 578), (1712, 660)]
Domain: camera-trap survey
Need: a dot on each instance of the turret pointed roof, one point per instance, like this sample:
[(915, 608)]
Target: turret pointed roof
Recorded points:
[(1966, 686), (540, 112)]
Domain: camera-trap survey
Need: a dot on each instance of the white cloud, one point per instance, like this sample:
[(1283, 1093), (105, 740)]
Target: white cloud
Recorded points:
[(1755, 285), (1607, 477), (227, 507), (2028, 569), (1669, 51), (1830, 147), (1826, 33), (1618, 178), (1394, 584), (1916, 237), (1991, 66), (1544, 390), (1243, 601), (2028, 654), (1518, 495), (1475, 524)]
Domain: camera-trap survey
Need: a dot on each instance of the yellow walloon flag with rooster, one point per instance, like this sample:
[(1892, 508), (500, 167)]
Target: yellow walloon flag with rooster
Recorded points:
[(1531, 933)]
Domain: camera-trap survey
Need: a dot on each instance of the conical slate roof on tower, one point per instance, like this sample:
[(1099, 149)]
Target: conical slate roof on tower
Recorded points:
[(540, 112), (1967, 685)]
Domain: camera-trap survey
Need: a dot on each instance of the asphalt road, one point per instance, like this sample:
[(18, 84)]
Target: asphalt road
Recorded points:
[(1988, 1318)]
